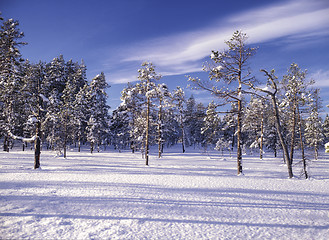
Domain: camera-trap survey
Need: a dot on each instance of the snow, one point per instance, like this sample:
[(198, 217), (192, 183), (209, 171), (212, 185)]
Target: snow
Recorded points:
[(196, 195), (32, 120), (31, 139), (44, 98)]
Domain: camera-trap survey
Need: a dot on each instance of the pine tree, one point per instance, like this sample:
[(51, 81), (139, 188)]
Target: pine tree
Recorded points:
[(132, 101), (254, 123), (314, 134), (98, 110), (10, 77), (190, 121), (148, 76), (178, 100), (119, 128), (162, 95), (228, 69), (325, 128), (272, 89), (80, 114), (211, 127), (171, 129), (295, 89)]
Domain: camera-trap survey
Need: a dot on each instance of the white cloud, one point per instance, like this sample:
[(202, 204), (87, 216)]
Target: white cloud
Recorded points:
[(321, 78), (182, 53)]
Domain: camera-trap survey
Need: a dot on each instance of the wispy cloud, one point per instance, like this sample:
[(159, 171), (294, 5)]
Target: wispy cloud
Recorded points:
[(182, 53), (321, 78)]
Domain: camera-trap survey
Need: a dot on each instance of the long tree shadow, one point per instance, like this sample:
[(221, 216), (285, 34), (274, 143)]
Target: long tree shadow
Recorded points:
[(146, 194), (185, 221)]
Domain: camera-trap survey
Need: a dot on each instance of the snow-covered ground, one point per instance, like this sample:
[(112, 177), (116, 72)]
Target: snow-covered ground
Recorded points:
[(111, 195)]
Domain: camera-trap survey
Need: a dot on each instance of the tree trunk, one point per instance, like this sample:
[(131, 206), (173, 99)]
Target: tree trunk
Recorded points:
[(293, 128), (160, 130), (279, 131), (65, 133), (302, 145), (183, 134), (79, 143), (275, 147), (182, 126), (239, 145), (37, 146), (6, 144), (233, 139), (261, 138), (91, 147), (52, 137), (147, 132)]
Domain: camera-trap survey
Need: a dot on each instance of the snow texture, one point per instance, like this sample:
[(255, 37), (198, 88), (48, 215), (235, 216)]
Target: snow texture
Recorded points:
[(32, 139), (110, 195)]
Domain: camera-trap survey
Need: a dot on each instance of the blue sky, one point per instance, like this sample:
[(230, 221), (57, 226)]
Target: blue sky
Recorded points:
[(177, 36)]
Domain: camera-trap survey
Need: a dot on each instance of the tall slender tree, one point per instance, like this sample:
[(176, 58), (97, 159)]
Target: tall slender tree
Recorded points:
[(147, 77), (295, 91), (272, 89), (98, 110), (229, 69), (10, 78), (314, 132), (178, 99)]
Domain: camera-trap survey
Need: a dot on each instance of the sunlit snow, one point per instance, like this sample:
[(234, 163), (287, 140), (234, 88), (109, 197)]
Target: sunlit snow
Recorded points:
[(196, 195)]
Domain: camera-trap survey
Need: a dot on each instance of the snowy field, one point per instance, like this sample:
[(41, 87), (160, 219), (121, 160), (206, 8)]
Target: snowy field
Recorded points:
[(111, 195)]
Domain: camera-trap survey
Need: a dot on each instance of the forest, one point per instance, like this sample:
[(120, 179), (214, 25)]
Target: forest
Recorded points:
[(52, 105)]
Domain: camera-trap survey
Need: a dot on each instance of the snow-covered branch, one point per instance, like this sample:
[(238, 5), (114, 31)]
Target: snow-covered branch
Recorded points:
[(32, 139)]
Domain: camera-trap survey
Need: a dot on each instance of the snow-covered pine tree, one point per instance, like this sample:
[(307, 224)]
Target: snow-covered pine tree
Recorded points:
[(295, 89), (80, 115), (325, 128), (56, 80), (271, 89), (32, 108), (270, 133), (74, 75), (54, 86), (211, 125), (147, 77), (132, 98), (10, 77), (254, 123), (314, 133), (229, 128), (190, 120), (38, 103), (200, 114), (162, 95), (193, 121), (97, 129), (171, 129), (229, 69), (178, 101), (119, 128)]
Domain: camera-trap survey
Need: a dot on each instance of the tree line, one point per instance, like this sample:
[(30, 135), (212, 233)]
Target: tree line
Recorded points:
[(54, 104)]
